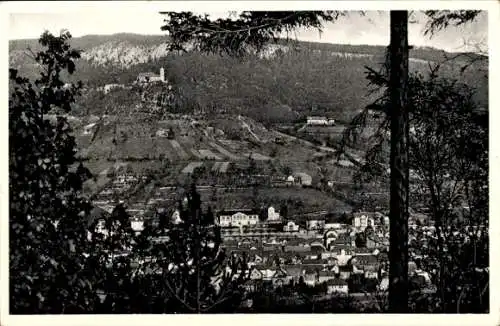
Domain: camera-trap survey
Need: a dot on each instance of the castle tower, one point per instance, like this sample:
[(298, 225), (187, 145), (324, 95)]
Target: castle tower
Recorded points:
[(162, 74)]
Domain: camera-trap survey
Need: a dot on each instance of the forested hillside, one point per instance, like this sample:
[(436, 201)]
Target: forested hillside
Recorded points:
[(284, 85)]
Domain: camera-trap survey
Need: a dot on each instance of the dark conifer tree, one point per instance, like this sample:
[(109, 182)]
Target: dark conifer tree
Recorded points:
[(199, 275)]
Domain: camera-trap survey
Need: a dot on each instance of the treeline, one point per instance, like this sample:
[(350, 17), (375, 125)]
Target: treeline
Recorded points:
[(279, 89)]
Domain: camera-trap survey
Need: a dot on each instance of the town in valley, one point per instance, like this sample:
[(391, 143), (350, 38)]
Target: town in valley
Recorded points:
[(254, 184)]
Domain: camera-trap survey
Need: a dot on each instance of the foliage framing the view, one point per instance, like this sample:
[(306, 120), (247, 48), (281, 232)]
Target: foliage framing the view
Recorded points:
[(198, 275), (85, 298), (47, 212), (251, 30), (448, 149), (66, 257)]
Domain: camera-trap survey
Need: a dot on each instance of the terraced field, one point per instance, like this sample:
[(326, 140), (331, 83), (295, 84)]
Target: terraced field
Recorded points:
[(180, 151), (224, 151), (191, 167)]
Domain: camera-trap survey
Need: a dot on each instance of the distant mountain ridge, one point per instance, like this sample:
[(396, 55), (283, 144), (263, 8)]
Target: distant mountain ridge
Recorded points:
[(125, 49), (295, 75)]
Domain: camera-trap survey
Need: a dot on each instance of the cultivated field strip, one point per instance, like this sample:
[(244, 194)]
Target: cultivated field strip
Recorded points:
[(180, 151), (225, 152), (191, 166)]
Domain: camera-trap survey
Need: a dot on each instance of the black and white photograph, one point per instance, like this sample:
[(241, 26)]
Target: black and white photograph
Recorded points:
[(254, 158)]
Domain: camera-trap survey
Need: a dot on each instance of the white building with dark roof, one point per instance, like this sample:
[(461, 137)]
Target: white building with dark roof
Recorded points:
[(320, 121), (238, 217), (337, 286), (150, 77)]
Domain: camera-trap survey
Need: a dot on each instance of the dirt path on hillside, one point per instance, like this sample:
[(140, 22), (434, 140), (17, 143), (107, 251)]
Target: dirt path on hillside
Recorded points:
[(248, 128)]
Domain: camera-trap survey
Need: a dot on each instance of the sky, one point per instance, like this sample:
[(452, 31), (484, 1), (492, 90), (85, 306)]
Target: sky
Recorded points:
[(372, 29)]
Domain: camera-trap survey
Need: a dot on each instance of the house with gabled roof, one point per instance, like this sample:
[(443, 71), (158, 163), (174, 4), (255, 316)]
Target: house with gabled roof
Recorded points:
[(267, 270), (291, 226), (256, 274), (238, 217), (335, 269), (256, 258), (337, 286), (280, 277), (365, 263)]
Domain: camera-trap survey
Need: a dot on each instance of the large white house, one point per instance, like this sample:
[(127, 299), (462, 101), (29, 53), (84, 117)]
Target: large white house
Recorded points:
[(334, 286), (273, 215), (242, 217), (320, 121)]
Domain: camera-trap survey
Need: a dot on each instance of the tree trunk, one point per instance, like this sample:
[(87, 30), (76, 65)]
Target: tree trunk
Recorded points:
[(398, 253), (198, 261)]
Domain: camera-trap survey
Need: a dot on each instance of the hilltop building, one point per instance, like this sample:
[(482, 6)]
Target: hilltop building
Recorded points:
[(150, 77)]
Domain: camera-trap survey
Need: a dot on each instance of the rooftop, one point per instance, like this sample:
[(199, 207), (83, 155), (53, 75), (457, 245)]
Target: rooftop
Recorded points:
[(336, 281), (316, 118), (148, 74), (235, 211)]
